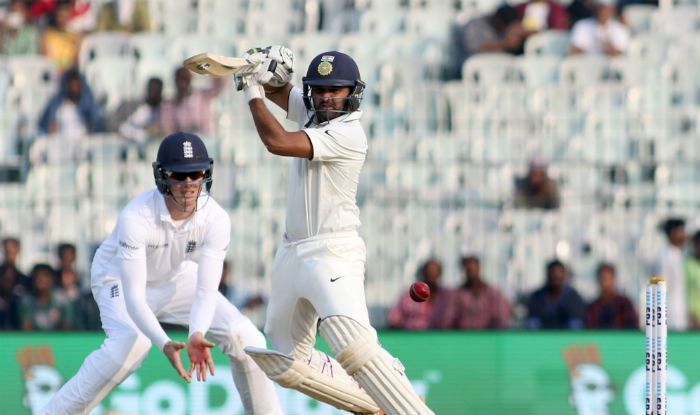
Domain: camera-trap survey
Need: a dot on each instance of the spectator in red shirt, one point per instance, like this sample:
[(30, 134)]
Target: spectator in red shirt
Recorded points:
[(79, 16), (479, 305), (435, 313), (40, 8), (611, 310)]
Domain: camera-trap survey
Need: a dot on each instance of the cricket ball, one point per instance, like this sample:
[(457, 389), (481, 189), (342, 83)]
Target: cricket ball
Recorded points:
[(419, 291)]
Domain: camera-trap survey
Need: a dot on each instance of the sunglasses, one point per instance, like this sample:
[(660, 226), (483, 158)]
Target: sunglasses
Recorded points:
[(182, 176)]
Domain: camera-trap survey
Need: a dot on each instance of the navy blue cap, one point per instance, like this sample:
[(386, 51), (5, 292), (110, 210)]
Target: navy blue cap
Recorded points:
[(183, 152), (332, 69)]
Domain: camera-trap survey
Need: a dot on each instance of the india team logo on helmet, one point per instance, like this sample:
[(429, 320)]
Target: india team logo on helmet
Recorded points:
[(326, 66), (334, 69)]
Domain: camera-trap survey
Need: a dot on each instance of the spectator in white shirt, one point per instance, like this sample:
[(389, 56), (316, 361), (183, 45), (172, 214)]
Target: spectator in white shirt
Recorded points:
[(72, 112), (602, 34), (670, 267)]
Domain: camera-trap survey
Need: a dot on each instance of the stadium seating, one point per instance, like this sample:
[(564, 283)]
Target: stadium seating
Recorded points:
[(148, 46), (99, 45), (173, 18), (638, 17), (548, 42), (537, 70), (619, 134), (31, 81), (221, 19), (488, 69), (581, 70), (112, 80)]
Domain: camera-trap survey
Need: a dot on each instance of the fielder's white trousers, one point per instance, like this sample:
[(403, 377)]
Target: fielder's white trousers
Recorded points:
[(125, 347)]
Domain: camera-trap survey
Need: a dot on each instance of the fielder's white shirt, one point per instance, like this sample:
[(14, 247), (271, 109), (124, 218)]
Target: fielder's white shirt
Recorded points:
[(589, 35), (146, 232), (322, 191)]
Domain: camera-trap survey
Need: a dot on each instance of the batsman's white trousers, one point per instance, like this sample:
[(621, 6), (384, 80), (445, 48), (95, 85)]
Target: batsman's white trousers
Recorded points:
[(125, 346), (315, 278), (322, 279)]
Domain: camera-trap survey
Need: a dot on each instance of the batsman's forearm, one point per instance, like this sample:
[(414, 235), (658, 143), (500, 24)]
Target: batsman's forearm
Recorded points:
[(269, 129)]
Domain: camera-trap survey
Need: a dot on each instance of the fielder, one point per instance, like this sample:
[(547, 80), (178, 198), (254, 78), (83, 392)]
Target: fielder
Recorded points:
[(318, 273), (145, 272)]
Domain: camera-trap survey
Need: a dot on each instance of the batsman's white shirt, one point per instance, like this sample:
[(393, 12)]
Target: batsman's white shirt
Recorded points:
[(319, 267), (146, 231), (321, 192)]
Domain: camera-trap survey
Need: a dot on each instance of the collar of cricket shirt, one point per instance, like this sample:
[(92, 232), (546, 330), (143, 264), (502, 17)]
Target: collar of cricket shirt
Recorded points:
[(164, 213)]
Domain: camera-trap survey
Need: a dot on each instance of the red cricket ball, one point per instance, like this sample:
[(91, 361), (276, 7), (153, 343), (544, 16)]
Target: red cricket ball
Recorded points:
[(419, 291)]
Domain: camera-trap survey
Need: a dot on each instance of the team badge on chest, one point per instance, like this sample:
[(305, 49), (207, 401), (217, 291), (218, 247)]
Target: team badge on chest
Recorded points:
[(191, 246)]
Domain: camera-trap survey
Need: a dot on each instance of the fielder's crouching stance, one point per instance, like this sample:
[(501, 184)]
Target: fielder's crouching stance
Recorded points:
[(163, 262), (318, 273)]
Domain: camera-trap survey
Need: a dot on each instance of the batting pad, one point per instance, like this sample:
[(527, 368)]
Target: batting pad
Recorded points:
[(379, 373), (297, 375)]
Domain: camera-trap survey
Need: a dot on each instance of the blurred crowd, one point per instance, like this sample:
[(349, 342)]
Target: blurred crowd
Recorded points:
[(58, 297), (55, 29), (50, 297), (479, 304), (595, 27)]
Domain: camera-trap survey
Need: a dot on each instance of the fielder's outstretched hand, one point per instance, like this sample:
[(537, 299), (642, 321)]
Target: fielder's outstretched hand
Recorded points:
[(198, 349), (171, 350)]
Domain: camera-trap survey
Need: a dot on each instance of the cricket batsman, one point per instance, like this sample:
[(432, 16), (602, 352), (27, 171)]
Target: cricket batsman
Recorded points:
[(318, 271)]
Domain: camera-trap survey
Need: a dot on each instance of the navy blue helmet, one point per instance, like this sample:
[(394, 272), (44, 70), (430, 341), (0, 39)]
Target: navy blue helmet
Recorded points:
[(181, 153), (334, 69)]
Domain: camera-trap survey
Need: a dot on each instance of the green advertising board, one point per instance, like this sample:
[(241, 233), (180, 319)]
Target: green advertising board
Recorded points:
[(460, 373)]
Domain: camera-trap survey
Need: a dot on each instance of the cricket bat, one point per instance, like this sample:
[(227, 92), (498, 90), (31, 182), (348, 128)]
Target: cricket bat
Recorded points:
[(217, 65)]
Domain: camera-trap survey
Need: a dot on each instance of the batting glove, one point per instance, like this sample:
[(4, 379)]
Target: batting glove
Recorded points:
[(285, 64), (252, 84), (251, 87), (284, 59), (255, 54), (263, 73)]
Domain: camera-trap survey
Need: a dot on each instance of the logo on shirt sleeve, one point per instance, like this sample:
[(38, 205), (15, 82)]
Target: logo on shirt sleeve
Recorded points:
[(114, 291), (127, 246), (191, 246)]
